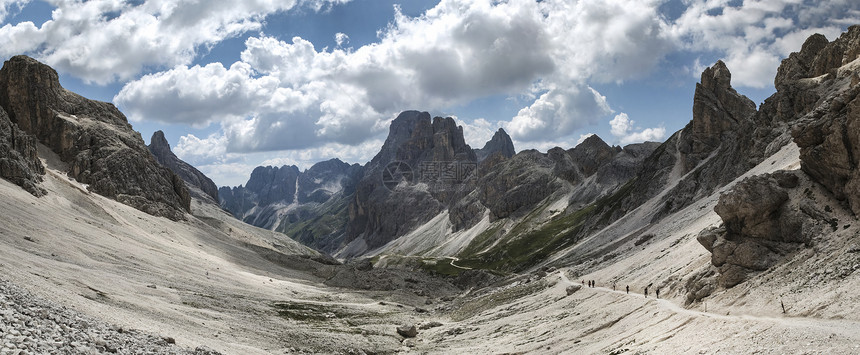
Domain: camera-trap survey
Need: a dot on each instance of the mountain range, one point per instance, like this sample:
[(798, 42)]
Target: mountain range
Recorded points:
[(744, 222)]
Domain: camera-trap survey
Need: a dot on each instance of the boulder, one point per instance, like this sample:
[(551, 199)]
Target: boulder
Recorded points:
[(763, 221), (407, 331)]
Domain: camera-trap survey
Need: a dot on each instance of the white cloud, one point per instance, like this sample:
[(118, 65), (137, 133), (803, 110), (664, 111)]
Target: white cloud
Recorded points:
[(478, 131), (621, 124), (205, 94), (754, 36), (341, 38), (196, 151), (105, 41), (454, 53), (557, 113), (9, 7), (210, 156), (622, 127)]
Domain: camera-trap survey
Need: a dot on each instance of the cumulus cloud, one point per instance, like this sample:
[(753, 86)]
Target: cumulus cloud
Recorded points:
[(558, 113), (210, 156), (341, 39), (297, 97), (622, 127), (105, 41), (9, 7), (753, 36), (478, 131)]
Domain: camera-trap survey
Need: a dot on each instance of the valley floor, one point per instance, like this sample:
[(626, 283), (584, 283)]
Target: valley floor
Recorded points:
[(600, 321), (213, 281)]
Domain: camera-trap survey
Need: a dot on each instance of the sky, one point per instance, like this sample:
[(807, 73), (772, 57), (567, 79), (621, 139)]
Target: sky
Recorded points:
[(235, 84)]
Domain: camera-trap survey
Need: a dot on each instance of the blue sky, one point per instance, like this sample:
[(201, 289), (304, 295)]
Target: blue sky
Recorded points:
[(240, 83)]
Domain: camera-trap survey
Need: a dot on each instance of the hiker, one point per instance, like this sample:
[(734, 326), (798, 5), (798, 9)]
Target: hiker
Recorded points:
[(583, 282), (657, 291), (628, 289), (646, 291), (613, 286)]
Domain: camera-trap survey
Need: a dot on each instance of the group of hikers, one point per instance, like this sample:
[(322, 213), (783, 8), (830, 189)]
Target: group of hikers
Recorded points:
[(592, 283)]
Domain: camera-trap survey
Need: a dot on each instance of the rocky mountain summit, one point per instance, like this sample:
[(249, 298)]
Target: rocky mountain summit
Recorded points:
[(286, 199), (199, 185), (500, 143), (93, 138)]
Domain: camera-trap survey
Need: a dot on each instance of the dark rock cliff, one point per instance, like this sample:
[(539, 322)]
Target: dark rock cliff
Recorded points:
[(765, 217), (160, 149), (500, 143), (434, 163), (93, 137)]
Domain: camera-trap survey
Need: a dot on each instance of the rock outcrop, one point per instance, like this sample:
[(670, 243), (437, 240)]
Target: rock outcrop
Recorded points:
[(198, 184), (434, 162), (19, 161), (501, 143), (94, 138), (764, 219), (829, 134)]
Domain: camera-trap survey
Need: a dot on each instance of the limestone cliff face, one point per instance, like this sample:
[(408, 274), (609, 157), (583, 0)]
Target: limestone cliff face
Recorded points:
[(424, 152), (267, 186), (309, 206), (718, 112), (19, 160), (501, 143), (829, 133), (93, 137), (765, 216), (194, 179)]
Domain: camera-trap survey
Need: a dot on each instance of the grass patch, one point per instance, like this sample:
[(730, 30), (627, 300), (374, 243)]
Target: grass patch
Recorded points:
[(526, 250), (441, 267), (481, 242), (522, 248)]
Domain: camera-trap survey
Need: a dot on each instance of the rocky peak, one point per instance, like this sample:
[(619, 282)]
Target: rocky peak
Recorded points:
[(158, 142), (274, 184), (592, 153), (413, 137), (817, 57), (194, 179), (717, 110), (93, 137), (324, 179), (500, 143), (400, 131)]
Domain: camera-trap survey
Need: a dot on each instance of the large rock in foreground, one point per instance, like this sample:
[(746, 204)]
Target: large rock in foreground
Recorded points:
[(94, 138), (765, 218)]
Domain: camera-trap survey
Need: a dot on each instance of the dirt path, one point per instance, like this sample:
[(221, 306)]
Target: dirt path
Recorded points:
[(453, 259), (847, 328)]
